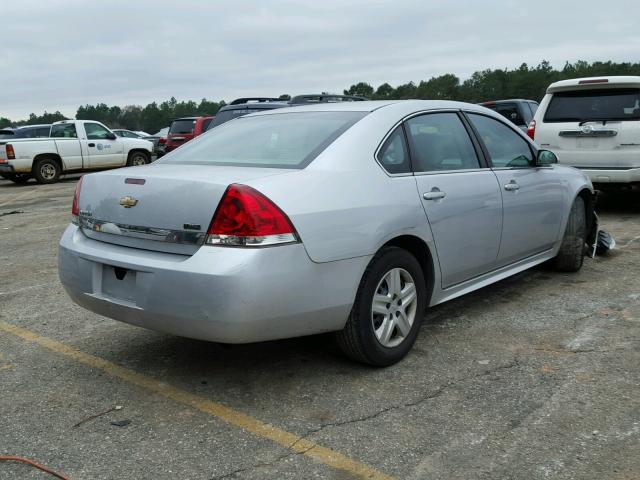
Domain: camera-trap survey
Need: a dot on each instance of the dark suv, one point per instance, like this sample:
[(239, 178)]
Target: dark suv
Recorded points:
[(245, 106), (184, 129), (519, 111), (28, 131)]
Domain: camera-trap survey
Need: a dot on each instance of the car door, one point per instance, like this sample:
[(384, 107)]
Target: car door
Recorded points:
[(68, 145), (460, 195), (103, 151), (532, 196)]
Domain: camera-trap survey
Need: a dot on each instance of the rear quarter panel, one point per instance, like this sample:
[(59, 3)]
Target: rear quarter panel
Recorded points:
[(27, 150)]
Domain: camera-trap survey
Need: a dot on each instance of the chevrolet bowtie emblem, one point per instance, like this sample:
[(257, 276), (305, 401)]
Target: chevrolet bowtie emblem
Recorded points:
[(128, 202)]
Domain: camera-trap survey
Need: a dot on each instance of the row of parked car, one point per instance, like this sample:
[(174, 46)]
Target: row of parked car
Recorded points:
[(591, 123)]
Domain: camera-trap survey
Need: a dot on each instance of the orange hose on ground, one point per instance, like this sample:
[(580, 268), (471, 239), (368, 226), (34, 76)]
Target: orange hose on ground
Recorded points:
[(33, 464)]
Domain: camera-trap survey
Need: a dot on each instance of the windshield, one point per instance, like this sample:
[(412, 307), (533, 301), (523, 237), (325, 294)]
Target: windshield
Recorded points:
[(584, 105), (288, 140)]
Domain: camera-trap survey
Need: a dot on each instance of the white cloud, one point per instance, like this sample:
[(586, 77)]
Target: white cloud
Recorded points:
[(65, 54)]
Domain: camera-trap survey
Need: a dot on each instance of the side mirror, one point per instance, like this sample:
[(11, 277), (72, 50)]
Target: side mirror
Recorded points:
[(546, 158), (111, 136)]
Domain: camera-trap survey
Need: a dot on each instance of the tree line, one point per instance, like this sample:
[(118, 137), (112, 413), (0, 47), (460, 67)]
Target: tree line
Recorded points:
[(526, 81), (523, 82)]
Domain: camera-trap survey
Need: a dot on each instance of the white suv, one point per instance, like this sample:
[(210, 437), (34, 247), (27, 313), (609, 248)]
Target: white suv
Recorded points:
[(593, 124)]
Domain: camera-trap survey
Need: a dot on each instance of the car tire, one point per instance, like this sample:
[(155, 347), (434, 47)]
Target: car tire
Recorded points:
[(46, 170), (138, 158), (377, 332), (571, 254), (19, 178)]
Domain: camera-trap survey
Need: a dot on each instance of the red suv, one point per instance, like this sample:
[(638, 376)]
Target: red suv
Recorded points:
[(184, 129)]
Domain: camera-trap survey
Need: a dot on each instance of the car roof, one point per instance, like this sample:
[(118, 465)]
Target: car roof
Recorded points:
[(42, 125), (371, 105), (591, 83)]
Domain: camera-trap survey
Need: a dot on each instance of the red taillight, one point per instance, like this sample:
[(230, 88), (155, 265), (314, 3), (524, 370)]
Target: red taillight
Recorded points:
[(245, 217), (75, 206), (162, 141), (531, 131), (11, 155)]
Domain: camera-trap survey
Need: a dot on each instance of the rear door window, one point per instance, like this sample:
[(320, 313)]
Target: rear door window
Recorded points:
[(439, 141), (183, 127), (64, 130), (594, 105)]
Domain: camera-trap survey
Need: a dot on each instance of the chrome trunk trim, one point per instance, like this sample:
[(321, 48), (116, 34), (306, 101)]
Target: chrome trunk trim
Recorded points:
[(144, 233)]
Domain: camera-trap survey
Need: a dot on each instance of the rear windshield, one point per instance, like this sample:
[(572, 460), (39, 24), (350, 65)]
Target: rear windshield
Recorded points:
[(290, 140), (510, 111), (182, 126), (585, 105)]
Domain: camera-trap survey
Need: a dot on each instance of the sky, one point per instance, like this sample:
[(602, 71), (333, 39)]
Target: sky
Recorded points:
[(58, 55)]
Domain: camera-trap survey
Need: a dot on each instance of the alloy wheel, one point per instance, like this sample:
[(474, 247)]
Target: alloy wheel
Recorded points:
[(394, 306)]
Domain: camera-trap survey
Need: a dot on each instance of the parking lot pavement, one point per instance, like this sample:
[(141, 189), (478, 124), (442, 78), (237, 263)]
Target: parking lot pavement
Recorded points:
[(531, 378)]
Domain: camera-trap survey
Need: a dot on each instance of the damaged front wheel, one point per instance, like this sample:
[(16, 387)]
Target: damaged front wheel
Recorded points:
[(571, 253)]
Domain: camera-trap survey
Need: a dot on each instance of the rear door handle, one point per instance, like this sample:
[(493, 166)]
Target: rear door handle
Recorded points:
[(434, 194), (91, 145), (512, 186)]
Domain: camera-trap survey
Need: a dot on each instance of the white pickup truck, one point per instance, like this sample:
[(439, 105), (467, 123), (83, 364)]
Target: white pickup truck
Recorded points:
[(74, 146)]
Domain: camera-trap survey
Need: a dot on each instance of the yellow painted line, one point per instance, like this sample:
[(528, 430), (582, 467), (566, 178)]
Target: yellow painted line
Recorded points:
[(252, 425)]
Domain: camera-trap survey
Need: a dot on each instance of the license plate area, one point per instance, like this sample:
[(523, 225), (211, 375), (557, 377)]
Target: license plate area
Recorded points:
[(587, 143), (119, 283)]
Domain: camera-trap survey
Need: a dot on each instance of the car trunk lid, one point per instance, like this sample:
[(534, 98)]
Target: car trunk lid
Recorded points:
[(158, 207)]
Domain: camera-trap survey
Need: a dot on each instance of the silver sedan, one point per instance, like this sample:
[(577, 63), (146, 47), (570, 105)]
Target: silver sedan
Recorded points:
[(348, 218)]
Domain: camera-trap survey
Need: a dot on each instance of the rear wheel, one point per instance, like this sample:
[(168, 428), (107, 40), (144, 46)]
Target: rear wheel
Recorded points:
[(138, 158), (386, 315), (571, 253), (46, 170)]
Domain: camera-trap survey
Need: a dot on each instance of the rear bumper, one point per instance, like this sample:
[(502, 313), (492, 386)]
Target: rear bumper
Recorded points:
[(6, 168), (621, 175), (219, 294)]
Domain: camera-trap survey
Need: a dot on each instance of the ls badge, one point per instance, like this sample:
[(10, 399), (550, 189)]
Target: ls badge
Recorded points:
[(128, 202)]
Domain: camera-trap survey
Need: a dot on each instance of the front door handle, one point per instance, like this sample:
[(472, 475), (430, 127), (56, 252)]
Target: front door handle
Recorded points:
[(434, 194), (91, 145), (512, 186)]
